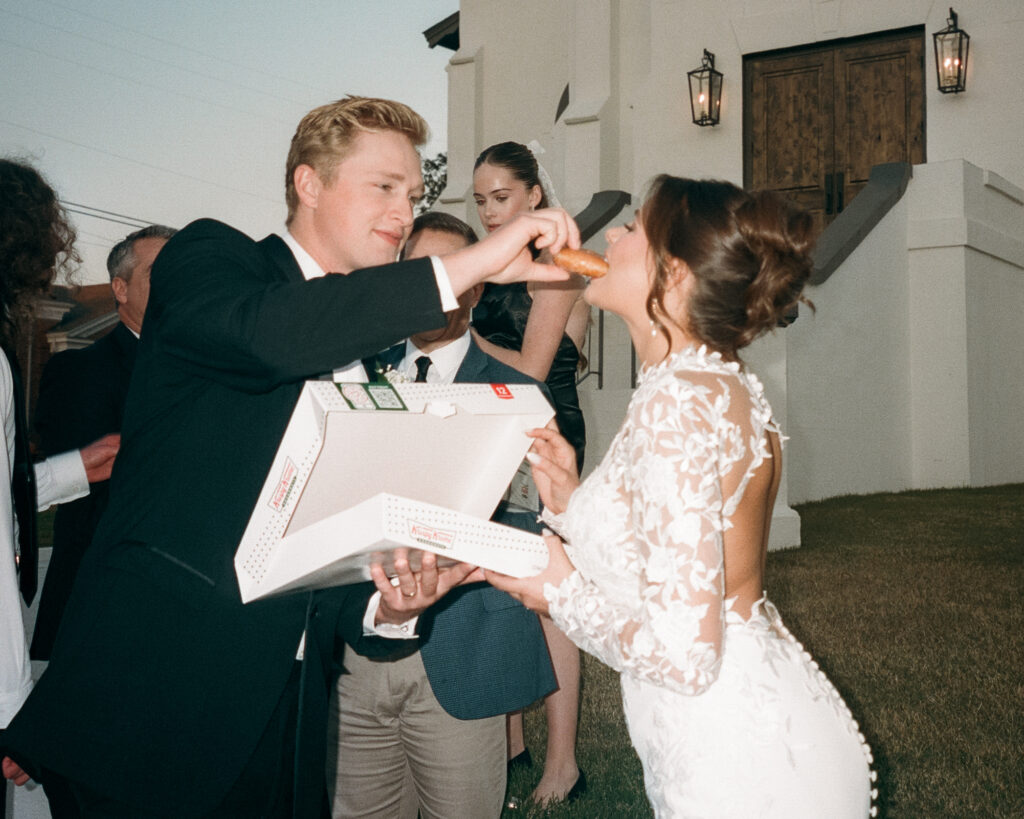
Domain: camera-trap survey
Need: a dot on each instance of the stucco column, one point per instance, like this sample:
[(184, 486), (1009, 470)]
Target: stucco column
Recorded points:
[(463, 128), (590, 87)]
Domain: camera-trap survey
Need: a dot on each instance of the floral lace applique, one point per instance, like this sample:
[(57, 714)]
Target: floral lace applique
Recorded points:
[(652, 517)]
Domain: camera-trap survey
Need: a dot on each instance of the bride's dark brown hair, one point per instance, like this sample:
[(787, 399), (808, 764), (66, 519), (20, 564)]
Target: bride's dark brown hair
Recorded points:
[(749, 254)]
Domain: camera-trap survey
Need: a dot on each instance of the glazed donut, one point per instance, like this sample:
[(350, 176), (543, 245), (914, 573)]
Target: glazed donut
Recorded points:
[(584, 262)]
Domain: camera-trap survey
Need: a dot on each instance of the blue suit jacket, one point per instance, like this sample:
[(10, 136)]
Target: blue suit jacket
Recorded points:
[(484, 653)]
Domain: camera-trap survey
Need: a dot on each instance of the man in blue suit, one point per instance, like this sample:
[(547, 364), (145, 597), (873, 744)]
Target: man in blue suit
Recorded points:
[(427, 732)]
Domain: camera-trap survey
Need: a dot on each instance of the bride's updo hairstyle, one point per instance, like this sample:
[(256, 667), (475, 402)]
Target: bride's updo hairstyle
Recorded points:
[(749, 254), (519, 161)]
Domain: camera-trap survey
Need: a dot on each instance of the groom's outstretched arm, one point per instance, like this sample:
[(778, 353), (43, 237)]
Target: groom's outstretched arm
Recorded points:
[(505, 255)]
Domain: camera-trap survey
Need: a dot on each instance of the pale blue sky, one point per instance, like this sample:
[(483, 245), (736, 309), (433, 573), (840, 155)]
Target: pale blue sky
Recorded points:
[(168, 111)]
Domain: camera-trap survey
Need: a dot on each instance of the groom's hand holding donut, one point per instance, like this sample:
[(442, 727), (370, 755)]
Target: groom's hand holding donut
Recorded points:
[(504, 256)]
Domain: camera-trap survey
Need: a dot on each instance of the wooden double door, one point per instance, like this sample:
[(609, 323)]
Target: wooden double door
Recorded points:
[(816, 119)]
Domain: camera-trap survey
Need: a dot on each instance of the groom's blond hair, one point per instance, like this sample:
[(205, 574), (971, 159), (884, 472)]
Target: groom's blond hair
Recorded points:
[(325, 136)]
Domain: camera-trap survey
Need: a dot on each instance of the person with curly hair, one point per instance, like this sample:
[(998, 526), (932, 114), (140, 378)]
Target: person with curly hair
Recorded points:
[(36, 242)]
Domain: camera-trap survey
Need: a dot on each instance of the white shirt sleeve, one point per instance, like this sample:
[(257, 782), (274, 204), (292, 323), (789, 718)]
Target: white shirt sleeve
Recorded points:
[(444, 285), (60, 479), (400, 631)]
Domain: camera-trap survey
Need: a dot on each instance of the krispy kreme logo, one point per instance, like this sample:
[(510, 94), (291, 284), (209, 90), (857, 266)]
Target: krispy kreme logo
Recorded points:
[(285, 485), (431, 535), (501, 390)]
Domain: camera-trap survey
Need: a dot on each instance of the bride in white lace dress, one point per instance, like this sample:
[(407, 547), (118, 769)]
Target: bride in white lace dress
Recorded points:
[(661, 575)]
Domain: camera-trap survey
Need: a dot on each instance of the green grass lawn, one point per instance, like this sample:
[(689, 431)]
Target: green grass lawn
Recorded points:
[(912, 603)]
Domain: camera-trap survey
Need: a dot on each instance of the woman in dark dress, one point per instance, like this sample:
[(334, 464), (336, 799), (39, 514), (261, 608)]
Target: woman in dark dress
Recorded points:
[(538, 329)]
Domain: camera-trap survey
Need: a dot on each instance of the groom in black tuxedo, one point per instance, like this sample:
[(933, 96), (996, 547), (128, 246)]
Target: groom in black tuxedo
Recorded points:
[(165, 695)]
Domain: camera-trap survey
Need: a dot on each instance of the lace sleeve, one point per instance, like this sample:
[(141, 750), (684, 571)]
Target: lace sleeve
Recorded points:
[(554, 521), (672, 635)]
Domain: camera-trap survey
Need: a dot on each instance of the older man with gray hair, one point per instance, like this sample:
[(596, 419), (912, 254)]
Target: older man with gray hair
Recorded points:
[(81, 398), (129, 264)]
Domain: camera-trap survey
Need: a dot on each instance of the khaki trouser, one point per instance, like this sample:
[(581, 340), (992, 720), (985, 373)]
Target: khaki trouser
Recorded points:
[(393, 750)]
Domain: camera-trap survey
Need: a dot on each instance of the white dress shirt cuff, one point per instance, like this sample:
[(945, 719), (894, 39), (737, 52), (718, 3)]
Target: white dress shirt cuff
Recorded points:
[(444, 285), (60, 479), (392, 631)]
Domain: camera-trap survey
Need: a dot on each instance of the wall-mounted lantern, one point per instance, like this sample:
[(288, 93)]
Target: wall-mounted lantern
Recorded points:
[(951, 45), (706, 91)]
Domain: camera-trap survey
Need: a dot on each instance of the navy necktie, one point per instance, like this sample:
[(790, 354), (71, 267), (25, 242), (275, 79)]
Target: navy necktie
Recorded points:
[(422, 365)]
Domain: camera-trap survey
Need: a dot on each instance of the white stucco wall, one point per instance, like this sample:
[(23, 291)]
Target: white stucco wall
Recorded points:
[(966, 274), (626, 64), (848, 388), (897, 381), (911, 373)]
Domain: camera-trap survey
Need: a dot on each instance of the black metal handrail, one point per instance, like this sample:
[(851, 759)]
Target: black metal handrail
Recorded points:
[(886, 184)]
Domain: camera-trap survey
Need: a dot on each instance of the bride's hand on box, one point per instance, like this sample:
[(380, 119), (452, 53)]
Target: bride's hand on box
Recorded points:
[(530, 590), (554, 468)]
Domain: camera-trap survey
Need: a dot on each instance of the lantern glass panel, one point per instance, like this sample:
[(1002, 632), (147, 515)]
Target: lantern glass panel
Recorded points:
[(951, 47), (705, 95)]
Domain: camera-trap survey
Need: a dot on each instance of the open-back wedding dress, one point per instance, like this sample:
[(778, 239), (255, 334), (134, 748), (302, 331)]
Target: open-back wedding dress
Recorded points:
[(728, 713)]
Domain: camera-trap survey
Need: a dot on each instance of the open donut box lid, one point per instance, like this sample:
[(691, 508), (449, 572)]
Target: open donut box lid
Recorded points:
[(365, 468)]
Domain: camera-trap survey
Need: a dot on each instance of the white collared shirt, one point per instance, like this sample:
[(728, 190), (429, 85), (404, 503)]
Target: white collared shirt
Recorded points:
[(444, 361)]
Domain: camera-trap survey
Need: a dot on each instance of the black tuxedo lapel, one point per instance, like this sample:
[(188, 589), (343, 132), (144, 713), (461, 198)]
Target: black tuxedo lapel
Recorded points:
[(280, 255), (393, 355), (281, 259)]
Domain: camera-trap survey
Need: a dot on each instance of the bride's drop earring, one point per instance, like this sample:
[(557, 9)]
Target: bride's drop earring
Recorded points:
[(654, 330)]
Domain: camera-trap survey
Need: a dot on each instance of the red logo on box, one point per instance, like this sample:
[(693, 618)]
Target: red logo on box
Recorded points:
[(431, 535), (501, 391), (284, 486)]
